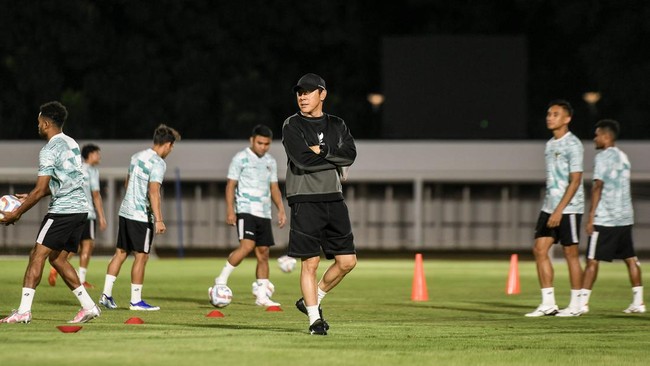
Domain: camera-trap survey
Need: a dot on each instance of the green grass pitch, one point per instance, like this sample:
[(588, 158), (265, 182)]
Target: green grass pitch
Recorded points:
[(468, 320)]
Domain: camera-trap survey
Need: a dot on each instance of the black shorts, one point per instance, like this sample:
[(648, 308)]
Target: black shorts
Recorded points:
[(257, 229), (89, 230), (568, 233), (316, 225), (61, 231), (135, 236), (608, 243)]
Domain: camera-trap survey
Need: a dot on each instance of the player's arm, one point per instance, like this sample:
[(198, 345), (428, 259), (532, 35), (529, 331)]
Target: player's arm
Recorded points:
[(99, 209), (231, 216), (155, 200), (276, 197), (304, 154), (596, 192), (574, 183), (40, 190)]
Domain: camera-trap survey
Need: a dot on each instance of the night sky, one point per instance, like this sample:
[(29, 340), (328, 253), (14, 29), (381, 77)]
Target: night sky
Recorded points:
[(215, 69)]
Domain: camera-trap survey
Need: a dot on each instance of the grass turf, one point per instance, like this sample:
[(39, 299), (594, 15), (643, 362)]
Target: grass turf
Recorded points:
[(469, 320)]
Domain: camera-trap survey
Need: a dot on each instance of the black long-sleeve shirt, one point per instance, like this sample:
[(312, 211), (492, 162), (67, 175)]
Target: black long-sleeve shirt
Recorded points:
[(314, 177)]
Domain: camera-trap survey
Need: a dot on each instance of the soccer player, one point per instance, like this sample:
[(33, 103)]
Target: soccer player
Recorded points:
[(252, 185), (317, 144), (559, 219), (611, 216), (91, 156), (59, 175), (140, 217)]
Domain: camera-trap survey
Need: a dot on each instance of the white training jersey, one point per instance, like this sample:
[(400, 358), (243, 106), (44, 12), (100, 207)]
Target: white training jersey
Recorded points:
[(612, 167), (146, 166), (91, 184), (60, 159), (563, 157), (254, 176)]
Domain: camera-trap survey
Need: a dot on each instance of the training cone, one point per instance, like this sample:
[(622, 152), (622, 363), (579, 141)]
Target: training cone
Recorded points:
[(134, 320), (215, 314), (419, 290), (274, 308), (512, 288)]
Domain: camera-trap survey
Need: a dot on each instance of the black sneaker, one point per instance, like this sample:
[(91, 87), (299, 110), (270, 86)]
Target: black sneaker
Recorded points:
[(318, 328), (300, 305)]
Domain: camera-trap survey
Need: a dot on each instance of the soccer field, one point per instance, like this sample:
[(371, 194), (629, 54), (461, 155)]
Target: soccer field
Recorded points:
[(469, 320)]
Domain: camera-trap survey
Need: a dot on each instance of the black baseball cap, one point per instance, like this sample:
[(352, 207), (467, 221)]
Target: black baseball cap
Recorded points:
[(310, 82)]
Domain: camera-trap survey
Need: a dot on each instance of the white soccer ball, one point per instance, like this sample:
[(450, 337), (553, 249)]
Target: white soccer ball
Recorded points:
[(8, 203), (270, 289), (286, 263), (220, 296)]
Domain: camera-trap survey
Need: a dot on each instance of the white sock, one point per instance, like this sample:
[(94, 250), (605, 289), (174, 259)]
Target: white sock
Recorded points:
[(574, 303), (82, 274), (136, 293), (26, 300), (312, 312), (84, 299), (108, 285), (321, 295), (637, 295), (548, 296), (262, 285), (584, 296), (222, 279)]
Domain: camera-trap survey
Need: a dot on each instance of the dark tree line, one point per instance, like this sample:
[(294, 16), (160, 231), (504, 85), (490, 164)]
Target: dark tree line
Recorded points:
[(216, 68)]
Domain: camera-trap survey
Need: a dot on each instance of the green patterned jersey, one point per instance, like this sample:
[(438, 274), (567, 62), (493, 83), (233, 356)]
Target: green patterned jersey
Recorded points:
[(563, 157), (254, 176), (612, 167), (146, 166), (60, 159), (91, 184)]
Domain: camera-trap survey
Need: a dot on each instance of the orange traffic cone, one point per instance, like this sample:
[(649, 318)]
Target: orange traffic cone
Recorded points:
[(419, 290), (512, 287)]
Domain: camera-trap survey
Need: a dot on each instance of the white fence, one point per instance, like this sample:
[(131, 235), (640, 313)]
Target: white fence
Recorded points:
[(425, 195)]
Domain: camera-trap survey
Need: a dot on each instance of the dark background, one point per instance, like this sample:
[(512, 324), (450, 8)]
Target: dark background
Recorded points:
[(213, 69)]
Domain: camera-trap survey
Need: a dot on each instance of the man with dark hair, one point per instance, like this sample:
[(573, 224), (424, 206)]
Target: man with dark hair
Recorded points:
[(317, 146), (59, 175), (91, 158), (611, 216), (251, 187), (140, 217), (559, 220)]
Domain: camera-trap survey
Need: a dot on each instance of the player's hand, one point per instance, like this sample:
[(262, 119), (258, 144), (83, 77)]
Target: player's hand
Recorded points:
[(21, 197), (9, 218), (554, 219), (315, 149), (160, 227), (589, 228), (282, 219), (231, 219), (102, 224)]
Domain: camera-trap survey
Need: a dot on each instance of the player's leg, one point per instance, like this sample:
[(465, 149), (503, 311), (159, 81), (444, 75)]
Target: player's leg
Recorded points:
[(262, 293), (59, 261), (246, 231), (137, 281), (85, 252), (33, 273), (309, 288), (112, 271), (342, 265), (545, 277), (634, 271)]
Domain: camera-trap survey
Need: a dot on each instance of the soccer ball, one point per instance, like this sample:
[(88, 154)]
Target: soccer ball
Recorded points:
[(286, 263), (220, 296), (270, 289), (8, 203)]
